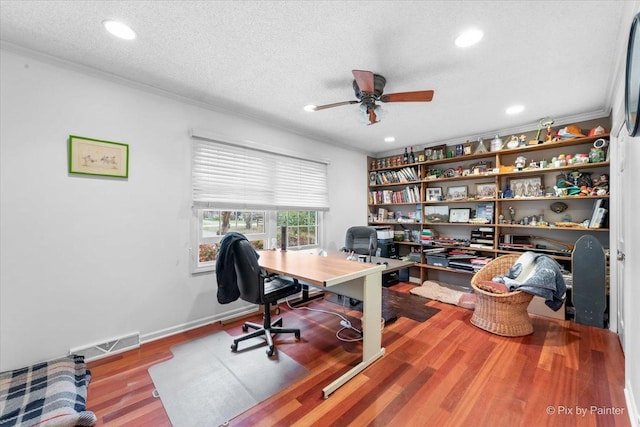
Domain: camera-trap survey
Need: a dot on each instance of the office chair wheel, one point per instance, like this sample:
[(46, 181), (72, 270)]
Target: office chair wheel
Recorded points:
[(245, 328), (271, 350), (234, 346), (297, 334)]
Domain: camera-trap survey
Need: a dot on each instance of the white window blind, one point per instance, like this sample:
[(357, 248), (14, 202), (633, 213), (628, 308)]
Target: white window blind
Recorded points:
[(236, 177)]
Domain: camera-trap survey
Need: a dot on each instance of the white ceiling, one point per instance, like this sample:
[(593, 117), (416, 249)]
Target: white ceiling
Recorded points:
[(268, 59)]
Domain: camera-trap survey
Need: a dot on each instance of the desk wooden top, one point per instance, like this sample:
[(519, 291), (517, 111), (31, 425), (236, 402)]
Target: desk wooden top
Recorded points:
[(391, 264), (315, 269)]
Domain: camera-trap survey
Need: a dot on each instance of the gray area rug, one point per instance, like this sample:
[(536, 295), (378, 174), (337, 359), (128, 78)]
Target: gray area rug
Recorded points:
[(206, 384)]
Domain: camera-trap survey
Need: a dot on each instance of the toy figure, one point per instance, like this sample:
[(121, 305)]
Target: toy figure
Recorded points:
[(601, 186)]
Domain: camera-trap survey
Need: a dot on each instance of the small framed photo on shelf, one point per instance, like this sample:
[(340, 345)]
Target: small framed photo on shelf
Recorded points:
[(457, 193), (434, 193), (459, 214), (530, 186), (486, 190), (436, 214)]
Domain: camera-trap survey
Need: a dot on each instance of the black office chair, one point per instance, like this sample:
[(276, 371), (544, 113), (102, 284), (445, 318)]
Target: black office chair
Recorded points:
[(257, 287), (361, 240)]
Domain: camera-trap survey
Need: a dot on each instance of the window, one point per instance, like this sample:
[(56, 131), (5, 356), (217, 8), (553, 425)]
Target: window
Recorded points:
[(260, 227), (302, 228), (254, 190)]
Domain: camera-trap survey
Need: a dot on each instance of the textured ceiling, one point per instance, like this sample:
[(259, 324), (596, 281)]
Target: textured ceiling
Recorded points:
[(267, 59)]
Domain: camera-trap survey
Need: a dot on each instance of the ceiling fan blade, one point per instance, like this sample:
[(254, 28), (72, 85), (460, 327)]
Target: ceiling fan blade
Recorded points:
[(337, 104), (418, 96), (364, 79)]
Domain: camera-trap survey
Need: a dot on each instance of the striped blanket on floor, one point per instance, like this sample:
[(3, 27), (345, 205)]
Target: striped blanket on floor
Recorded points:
[(47, 394)]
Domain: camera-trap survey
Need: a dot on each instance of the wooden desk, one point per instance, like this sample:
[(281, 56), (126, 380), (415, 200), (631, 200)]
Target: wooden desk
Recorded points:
[(362, 281)]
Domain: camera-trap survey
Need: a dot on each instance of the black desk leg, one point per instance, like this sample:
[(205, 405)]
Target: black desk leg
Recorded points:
[(306, 297)]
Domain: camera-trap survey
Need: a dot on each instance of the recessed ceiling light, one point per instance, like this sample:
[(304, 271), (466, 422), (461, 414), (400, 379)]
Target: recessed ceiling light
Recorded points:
[(469, 38), (389, 139), (515, 109), (310, 108), (119, 29)]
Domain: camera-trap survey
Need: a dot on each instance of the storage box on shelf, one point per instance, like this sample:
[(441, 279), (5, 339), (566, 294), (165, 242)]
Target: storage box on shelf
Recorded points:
[(486, 203)]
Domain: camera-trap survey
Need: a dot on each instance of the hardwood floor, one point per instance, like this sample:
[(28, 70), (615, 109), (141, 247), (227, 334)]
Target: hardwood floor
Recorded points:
[(441, 372)]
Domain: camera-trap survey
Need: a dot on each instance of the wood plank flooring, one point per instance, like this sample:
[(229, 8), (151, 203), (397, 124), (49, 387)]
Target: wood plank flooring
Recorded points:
[(441, 372)]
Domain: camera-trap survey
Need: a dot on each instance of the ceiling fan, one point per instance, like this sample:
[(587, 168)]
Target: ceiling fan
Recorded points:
[(369, 87)]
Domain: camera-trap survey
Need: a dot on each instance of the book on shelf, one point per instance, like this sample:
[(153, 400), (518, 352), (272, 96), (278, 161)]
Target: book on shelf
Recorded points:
[(599, 214), (481, 245)]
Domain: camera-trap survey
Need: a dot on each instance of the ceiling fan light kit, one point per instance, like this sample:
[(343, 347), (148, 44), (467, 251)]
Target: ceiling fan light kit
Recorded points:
[(369, 88)]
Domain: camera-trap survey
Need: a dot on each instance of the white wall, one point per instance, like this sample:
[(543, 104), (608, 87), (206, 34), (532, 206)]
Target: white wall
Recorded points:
[(85, 259)]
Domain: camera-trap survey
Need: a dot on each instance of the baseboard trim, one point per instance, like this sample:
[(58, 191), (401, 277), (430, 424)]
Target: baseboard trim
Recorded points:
[(184, 327), (634, 415)]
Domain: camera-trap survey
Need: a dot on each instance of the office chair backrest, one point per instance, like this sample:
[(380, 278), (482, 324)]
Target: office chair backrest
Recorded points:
[(361, 240), (248, 272)]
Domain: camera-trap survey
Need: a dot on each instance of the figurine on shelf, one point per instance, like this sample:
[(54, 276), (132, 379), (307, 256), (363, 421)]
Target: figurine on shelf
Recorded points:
[(548, 124), (480, 148), (523, 141), (512, 214), (601, 186), (513, 142)]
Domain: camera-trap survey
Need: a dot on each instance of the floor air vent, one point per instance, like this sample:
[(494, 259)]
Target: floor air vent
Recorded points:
[(108, 348)]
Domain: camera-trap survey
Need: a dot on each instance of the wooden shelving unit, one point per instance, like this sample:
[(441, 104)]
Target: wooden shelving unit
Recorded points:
[(499, 174)]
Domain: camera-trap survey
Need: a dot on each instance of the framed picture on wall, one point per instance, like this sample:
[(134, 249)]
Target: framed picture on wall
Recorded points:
[(88, 156)]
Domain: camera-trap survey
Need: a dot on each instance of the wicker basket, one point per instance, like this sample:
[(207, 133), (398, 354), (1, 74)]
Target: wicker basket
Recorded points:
[(501, 314)]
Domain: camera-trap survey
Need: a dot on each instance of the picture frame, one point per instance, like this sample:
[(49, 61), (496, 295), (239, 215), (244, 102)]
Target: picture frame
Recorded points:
[(457, 192), (457, 215), (529, 186), (438, 152), (433, 194), (89, 156), (485, 210), (486, 190), (436, 214)]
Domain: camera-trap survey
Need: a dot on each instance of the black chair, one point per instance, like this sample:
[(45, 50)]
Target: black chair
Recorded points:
[(361, 240), (257, 287)]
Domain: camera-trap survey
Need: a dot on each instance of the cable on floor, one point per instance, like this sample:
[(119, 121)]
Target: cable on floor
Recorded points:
[(344, 322)]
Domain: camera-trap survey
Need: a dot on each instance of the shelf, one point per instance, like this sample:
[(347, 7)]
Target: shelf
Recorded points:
[(508, 151), (550, 145), (447, 269), (558, 257), (393, 204), (571, 167), (461, 178), (555, 228), (374, 223), (408, 243), (532, 199), (499, 174), (447, 202)]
